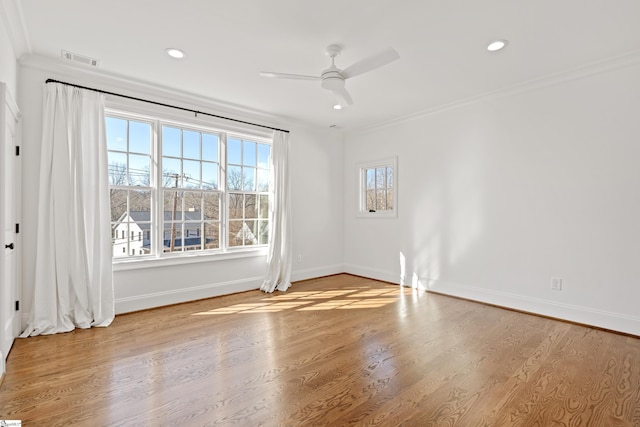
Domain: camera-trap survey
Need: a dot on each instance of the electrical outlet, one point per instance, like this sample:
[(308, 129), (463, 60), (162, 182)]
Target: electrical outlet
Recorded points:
[(299, 258), (556, 283)]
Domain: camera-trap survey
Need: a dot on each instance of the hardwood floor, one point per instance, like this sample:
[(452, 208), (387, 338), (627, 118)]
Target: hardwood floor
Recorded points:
[(334, 351)]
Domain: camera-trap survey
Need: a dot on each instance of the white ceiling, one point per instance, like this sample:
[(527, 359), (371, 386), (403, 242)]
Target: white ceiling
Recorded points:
[(442, 47)]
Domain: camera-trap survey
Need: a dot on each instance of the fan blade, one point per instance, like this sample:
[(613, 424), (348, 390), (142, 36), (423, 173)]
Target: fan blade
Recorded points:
[(288, 76), (371, 63), (343, 97)]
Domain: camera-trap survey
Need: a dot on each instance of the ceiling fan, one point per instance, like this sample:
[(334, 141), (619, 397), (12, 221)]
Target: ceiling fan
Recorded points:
[(333, 77)]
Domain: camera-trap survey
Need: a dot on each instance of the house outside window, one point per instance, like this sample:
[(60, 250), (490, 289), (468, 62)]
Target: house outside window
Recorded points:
[(178, 187)]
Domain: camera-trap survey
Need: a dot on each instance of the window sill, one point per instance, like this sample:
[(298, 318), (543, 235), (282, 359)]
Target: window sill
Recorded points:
[(378, 215), (152, 262)]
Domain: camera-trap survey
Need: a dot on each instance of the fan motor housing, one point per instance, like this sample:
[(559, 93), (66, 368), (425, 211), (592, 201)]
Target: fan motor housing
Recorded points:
[(332, 79)]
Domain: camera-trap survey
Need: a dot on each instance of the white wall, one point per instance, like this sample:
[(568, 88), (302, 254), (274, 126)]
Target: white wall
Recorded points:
[(8, 64), (499, 195), (316, 162)]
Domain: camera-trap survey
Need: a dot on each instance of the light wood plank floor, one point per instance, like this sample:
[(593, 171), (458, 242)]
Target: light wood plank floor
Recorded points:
[(334, 351)]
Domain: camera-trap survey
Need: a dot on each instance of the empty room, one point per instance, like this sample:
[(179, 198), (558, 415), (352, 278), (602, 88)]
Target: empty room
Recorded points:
[(281, 213)]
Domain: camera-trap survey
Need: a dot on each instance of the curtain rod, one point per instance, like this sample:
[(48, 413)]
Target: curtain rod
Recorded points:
[(165, 105)]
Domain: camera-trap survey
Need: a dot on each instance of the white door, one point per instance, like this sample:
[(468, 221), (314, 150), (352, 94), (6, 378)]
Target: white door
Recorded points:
[(10, 183)]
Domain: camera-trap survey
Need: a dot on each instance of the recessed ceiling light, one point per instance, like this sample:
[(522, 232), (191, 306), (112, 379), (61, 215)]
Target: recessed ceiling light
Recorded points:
[(337, 107), (497, 45), (174, 53)]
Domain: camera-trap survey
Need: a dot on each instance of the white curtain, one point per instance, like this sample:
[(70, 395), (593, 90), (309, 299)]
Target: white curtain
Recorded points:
[(73, 271), (280, 256)]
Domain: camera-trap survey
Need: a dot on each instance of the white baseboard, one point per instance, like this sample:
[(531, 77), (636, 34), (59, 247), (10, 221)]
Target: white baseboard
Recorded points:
[(175, 296), (372, 273), (572, 313), (312, 273), (3, 367)]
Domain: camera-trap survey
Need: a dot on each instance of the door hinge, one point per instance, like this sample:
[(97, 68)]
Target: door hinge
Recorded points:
[(17, 305), (17, 150), (17, 228)]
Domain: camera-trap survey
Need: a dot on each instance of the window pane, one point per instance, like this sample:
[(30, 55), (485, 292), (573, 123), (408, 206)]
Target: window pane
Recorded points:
[(263, 180), (250, 206), (210, 176), (242, 233), (171, 172), (236, 202), (235, 233), (191, 144), (249, 153), (234, 151), (120, 239), (118, 204), (389, 177), (191, 171), (139, 167), (250, 232), (140, 137), (174, 240), (140, 205), (170, 141), (389, 199), (264, 206), (380, 178), (371, 179), (249, 179), (172, 203), (116, 130), (117, 169), (211, 210), (131, 215), (234, 178), (211, 235), (381, 199), (192, 205), (209, 147), (264, 152), (192, 238), (263, 232), (371, 200)]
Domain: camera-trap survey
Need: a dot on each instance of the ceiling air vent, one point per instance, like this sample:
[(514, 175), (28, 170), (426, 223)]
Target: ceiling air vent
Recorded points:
[(80, 58)]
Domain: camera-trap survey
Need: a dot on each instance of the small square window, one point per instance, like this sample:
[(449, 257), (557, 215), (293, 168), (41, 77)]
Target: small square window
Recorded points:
[(377, 195)]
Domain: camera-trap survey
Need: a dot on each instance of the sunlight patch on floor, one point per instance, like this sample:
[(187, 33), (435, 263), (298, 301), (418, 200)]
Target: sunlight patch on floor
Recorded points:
[(338, 299)]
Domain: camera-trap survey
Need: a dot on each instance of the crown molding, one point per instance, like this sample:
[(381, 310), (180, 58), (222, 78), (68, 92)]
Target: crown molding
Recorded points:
[(601, 66), (13, 20), (59, 69)]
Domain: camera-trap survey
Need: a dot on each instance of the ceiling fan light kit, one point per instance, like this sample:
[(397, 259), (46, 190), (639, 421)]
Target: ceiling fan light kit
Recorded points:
[(497, 45), (333, 78)]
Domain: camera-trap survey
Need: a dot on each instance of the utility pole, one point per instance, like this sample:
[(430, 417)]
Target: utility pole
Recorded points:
[(172, 244)]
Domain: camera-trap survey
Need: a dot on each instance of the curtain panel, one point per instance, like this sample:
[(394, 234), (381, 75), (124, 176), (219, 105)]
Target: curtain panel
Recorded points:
[(73, 270), (280, 255)]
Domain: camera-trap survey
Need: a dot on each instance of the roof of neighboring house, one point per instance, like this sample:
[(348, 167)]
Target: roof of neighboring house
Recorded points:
[(143, 218)]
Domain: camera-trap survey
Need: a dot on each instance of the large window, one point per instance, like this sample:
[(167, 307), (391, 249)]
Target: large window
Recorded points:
[(177, 188)]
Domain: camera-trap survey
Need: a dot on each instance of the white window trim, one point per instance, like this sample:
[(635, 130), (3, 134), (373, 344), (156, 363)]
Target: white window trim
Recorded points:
[(361, 211), (134, 263)]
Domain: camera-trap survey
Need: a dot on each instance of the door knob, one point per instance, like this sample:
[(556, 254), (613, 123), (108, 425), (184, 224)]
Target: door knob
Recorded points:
[(9, 246)]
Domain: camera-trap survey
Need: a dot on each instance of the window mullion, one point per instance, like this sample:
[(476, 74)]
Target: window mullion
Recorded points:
[(224, 197), (158, 205)]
